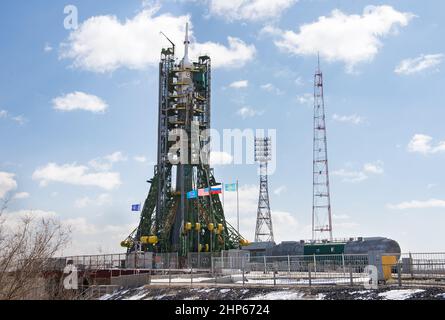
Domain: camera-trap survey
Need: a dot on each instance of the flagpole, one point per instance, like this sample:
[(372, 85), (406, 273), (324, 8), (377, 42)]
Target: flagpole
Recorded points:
[(223, 192), (237, 203)]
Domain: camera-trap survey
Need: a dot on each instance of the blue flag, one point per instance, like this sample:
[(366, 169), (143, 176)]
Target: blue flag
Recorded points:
[(136, 207), (192, 194), (230, 187)]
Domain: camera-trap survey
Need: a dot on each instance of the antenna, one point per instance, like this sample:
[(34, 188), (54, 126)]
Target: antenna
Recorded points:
[(168, 39), (318, 56)]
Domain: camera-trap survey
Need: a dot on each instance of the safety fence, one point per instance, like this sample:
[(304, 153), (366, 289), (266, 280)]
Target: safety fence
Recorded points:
[(122, 261), (293, 270), (414, 269), (372, 270), (237, 267)]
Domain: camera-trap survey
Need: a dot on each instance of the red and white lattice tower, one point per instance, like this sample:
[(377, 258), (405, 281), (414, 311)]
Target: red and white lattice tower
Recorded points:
[(321, 205)]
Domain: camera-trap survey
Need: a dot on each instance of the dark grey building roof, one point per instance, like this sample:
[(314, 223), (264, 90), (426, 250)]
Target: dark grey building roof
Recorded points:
[(258, 246)]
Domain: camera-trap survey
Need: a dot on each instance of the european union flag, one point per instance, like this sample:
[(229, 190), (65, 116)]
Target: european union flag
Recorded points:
[(136, 207), (192, 194)]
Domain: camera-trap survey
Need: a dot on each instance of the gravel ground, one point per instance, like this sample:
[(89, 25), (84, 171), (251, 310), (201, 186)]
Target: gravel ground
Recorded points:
[(262, 293)]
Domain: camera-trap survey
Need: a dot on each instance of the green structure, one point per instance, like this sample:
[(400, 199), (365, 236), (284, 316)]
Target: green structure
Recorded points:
[(175, 218)]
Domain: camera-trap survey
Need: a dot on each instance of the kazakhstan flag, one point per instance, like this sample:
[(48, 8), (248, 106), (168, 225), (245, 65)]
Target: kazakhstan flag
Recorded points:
[(230, 187)]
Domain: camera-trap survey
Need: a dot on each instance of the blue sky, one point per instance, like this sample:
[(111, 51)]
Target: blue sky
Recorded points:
[(78, 110)]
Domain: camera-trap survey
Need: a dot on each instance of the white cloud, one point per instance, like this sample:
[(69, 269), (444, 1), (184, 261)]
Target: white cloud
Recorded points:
[(220, 158), (106, 163), (252, 10), (21, 120), (76, 175), (375, 168), (116, 157), (140, 159), (104, 44), (236, 55), (7, 183), (12, 220), (299, 82), (239, 84), (419, 64), (80, 226), (21, 195), (350, 39), (306, 99), (99, 201), (353, 119), (432, 203), (80, 101), (278, 191), (350, 176), (421, 143), (247, 112), (47, 47), (269, 87)]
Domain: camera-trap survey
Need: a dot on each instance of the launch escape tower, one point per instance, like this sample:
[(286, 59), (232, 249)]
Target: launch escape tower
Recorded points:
[(171, 221), (321, 205), (264, 229)]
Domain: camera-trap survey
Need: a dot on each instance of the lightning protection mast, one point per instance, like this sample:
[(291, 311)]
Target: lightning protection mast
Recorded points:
[(321, 204)]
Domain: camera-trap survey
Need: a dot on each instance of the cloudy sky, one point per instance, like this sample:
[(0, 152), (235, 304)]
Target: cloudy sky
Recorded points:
[(78, 110)]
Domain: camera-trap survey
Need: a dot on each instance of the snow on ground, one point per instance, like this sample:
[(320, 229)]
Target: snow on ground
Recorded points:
[(279, 295), (286, 281), (140, 294), (399, 294), (111, 296), (180, 280)]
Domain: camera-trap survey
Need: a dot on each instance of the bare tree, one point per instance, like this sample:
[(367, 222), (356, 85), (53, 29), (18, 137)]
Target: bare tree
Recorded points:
[(26, 252)]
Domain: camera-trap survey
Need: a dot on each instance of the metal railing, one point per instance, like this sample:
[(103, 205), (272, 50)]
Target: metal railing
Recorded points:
[(414, 269), (121, 261), (293, 270), (407, 269)]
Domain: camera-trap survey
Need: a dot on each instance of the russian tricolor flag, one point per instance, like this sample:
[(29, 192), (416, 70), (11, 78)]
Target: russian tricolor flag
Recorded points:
[(216, 190)]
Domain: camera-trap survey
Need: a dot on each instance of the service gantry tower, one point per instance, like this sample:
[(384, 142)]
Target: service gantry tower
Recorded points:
[(171, 220)]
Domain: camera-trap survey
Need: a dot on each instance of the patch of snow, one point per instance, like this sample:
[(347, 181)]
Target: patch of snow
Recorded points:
[(279, 295), (284, 281), (224, 290), (359, 292), (180, 280), (399, 294), (138, 296)]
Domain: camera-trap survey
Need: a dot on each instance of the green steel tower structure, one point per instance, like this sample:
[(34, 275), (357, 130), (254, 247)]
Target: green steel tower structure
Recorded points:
[(172, 218)]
